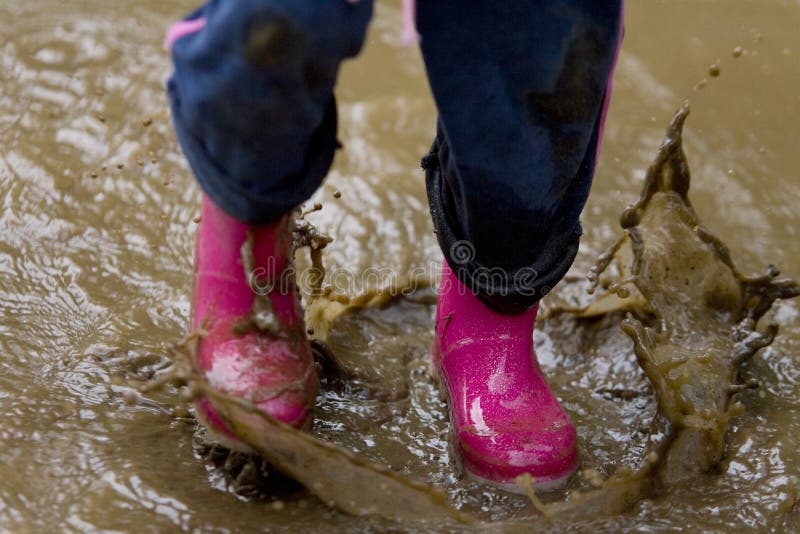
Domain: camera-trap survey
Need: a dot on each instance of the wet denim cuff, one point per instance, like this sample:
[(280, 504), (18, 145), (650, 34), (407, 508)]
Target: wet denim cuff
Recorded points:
[(504, 290), (240, 197)]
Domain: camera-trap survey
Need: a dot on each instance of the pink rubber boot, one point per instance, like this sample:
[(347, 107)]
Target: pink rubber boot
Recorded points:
[(263, 357), (506, 420)]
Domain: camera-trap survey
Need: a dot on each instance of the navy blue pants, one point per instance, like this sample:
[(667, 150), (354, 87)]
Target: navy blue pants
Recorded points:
[(520, 86)]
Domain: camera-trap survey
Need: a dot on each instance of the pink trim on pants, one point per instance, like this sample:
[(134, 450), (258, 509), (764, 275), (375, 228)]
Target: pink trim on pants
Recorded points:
[(610, 84), (181, 29), (410, 33)]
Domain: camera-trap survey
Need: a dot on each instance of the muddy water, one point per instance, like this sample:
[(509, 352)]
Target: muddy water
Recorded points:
[(96, 232)]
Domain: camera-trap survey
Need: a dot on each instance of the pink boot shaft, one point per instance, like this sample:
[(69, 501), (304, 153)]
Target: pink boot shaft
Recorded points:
[(505, 418), (274, 370)]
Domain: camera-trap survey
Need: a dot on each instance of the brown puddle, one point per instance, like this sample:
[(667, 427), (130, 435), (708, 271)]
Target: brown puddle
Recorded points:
[(96, 236), (702, 318)]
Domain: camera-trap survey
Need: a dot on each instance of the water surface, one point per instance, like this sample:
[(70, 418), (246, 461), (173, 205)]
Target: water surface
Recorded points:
[(96, 238)]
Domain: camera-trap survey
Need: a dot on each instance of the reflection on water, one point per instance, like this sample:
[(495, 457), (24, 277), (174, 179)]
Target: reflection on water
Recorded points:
[(96, 230)]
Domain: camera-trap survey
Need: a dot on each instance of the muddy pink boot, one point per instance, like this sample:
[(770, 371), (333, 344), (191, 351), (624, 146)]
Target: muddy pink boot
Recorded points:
[(506, 420), (255, 347)]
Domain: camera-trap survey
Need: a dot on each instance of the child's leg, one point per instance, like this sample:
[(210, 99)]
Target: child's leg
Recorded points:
[(252, 98), (253, 106), (521, 87)]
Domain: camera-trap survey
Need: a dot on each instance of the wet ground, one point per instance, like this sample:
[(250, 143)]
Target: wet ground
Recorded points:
[(96, 235)]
